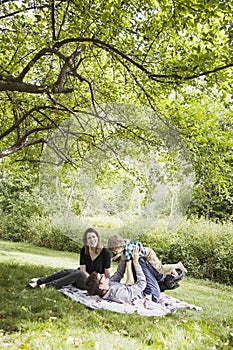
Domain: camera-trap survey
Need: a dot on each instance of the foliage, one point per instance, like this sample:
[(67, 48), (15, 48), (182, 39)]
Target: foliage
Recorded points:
[(205, 123), (46, 319), (204, 247), (73, 58), (23, 217), (19, 202)]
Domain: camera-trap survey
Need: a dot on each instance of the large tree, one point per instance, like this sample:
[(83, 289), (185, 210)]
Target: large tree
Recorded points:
[(60, 57), (70, 58)]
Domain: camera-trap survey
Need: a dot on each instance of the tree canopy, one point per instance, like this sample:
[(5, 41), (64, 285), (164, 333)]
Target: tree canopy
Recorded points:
[(69, 58)]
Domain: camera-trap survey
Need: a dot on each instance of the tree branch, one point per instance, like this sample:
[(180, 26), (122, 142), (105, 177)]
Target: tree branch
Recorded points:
[(156, 77), (20, 11), (16, 148), (21, 87), (53, 19), (185, 78)]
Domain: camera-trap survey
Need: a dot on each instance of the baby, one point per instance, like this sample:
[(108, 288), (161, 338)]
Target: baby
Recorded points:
[(124, 248)]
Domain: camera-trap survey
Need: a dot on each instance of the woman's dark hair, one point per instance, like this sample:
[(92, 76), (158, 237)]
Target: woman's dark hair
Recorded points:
[(86, 247)]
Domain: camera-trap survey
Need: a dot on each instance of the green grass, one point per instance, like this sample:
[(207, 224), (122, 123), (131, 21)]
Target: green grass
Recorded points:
[(45, 319)]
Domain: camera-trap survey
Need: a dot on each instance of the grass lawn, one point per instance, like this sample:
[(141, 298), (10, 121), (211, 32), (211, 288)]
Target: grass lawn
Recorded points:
[(46, 319)]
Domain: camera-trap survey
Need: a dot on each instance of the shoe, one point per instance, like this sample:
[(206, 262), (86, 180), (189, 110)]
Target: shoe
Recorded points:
[(162, 286), (176, 285), (179, 277), (171, 282), (42, 286), (32, 285), (35, 279)]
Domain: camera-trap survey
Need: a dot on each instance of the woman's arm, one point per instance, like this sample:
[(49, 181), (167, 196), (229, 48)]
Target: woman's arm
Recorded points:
[(107, 273), (107, 262)]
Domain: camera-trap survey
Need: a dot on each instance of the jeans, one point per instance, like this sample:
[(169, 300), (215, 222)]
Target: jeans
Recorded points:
[(152, 279), (64, 277)]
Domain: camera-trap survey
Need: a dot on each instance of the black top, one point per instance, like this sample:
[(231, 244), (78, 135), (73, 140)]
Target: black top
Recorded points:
[(101, 262)]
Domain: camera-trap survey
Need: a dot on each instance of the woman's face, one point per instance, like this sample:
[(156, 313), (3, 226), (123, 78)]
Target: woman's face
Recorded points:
[(92, 240)]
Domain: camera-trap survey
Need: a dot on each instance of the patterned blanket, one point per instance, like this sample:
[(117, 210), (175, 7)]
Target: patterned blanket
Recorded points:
[(144, 307)]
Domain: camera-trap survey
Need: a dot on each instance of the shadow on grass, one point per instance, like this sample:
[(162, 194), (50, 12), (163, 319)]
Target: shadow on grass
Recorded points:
[(19, 304)]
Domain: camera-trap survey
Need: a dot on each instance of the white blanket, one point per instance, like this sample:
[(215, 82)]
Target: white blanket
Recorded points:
[(144, 307)]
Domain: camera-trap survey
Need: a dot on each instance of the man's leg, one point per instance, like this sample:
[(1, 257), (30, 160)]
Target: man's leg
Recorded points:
[(152, 279)]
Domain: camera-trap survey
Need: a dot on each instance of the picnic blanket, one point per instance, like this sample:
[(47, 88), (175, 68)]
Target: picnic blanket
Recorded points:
[(145, 307)]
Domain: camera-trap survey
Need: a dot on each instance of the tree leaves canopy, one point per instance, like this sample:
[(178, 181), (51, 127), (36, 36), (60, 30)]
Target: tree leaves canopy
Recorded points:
[(69, 58)]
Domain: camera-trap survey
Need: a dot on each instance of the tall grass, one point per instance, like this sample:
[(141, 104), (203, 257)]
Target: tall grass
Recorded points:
[(45, 319)]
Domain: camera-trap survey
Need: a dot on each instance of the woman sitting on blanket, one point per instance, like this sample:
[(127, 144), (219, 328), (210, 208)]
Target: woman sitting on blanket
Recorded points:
[(93, 257), (123, 249)]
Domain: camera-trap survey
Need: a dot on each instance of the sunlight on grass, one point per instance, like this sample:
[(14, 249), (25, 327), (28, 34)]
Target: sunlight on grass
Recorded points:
[(28, 253), (70, 339), (39, 259)]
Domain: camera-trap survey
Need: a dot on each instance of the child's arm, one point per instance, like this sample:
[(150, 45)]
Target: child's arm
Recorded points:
[(116, 257)]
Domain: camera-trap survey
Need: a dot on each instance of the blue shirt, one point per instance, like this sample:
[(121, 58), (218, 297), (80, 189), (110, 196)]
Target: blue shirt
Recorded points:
[(130, 246)]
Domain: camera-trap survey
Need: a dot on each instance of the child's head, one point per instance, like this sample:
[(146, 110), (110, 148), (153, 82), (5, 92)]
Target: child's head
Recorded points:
[(116, 244)]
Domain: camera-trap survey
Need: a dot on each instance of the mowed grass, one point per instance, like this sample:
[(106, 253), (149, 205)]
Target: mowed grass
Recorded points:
[(46, 319)]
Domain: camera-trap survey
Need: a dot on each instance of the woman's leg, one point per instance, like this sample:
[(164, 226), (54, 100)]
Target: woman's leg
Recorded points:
[(54, 276), (80, 280), (75, 277)]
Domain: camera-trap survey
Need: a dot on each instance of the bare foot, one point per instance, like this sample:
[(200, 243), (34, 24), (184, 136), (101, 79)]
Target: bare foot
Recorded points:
[(181, 267)]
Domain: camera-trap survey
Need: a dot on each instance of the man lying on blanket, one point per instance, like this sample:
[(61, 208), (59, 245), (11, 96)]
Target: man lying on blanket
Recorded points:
[(112, 289)]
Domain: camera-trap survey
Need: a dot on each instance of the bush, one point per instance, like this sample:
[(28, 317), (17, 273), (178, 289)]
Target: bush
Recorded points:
[(45, 234), (23, 217), (205, 248)]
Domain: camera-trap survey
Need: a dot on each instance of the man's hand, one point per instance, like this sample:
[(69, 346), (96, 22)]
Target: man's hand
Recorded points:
[(135, 256)]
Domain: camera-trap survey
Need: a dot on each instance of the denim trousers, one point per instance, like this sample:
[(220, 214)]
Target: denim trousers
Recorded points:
[(152, 279)]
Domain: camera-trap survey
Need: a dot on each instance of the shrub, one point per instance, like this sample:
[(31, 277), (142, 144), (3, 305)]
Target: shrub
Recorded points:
[(45, 234), (205, 248), (23, 217)]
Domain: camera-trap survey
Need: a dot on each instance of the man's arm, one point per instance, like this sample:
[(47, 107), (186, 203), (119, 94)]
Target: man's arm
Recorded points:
[(119, 274), (140, 284)]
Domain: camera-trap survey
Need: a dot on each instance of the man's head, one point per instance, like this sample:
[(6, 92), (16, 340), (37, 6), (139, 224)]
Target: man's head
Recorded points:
[(97, 284), (116, 244)]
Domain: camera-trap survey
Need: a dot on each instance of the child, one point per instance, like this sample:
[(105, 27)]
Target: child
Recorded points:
[(124, 249)]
